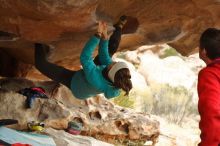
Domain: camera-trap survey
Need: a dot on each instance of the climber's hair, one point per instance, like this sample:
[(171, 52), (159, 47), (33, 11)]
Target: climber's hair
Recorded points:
[(210, 41), (122, 80)]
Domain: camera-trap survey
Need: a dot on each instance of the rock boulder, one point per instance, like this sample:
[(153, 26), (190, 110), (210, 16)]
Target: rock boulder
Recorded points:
[(100, 118)]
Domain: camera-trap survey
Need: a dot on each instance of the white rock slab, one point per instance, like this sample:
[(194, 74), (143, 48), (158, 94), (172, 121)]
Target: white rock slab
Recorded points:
[(63, 138)]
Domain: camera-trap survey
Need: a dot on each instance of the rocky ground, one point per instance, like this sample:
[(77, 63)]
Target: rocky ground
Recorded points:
[(100, 118)]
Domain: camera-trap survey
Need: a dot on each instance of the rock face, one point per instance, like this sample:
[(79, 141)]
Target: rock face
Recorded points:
[(67, 25), (100, 118)]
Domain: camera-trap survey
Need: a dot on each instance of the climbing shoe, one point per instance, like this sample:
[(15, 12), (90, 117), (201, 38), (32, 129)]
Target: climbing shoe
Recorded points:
[(35, 126), (121, 22)]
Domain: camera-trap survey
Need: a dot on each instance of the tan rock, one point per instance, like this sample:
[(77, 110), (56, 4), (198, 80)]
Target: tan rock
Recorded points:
[(100, 118)]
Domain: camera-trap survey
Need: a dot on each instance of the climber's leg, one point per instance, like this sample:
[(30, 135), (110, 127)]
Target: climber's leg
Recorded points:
[(52, 71)]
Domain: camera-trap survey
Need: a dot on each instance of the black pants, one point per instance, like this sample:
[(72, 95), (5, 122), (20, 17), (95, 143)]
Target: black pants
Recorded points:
[(61, 74)]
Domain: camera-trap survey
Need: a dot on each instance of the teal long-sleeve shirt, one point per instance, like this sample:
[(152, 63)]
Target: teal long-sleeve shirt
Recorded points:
[(89, 81)]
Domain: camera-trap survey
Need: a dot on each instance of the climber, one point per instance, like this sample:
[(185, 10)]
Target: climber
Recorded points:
[(106, 76)]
